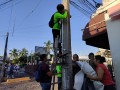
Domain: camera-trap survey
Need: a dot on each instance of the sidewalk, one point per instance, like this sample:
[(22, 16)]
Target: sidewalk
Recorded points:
[(25, 85), (24, 82), (19, 76)]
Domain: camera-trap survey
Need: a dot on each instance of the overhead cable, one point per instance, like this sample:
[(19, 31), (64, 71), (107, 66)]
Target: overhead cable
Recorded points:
[(5, 3), (9, 5), (88, 5), (31, 12), (82, 10)]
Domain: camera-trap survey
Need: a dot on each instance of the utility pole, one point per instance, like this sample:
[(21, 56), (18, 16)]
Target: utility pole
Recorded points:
[(4, 58), (67, 81)]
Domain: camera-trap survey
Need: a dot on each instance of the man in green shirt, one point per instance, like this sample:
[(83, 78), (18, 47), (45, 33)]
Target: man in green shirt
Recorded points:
[(59, 75), (60, 14)]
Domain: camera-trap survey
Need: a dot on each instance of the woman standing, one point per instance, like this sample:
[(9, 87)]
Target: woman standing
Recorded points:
[(103, 74)]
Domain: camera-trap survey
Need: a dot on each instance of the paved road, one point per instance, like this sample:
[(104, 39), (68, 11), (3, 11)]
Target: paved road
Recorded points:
[(26, 85), (21, 86), (29, 85)]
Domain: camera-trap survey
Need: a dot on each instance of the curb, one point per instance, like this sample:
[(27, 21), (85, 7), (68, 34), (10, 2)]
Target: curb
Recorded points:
[(17, 80)]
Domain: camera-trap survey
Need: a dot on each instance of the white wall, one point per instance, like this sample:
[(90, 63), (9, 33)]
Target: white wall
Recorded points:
[(113, 29)]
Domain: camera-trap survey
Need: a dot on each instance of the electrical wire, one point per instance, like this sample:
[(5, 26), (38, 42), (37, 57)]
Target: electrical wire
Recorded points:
[(10, 19), (14, 27), (31, 12), (5, 3), (88, 5), (86, 2), (28, 28), (8, 6), (82, 10)]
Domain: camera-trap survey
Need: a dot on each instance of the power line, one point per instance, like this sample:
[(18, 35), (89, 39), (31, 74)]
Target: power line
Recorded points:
[(92, 6), (9, 5), (10, 19), (3, 37), (5, 3), (30, 27), (97, 4), (82, 10), (13, 27), (88, 5), (31, 12)]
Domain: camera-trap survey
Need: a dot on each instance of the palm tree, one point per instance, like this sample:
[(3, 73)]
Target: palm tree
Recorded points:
[(35, 57), (107, 53), (23, 52), (48, 45), (23, 55), (14, 53), (31, 57)]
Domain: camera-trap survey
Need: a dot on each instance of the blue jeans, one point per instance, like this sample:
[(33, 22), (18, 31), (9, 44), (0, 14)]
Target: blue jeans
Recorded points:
[(59, 82), (45, 86)]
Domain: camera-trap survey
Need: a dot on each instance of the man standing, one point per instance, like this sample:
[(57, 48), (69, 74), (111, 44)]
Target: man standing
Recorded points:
[(59, 75), (46, 74), (10, 71), (91, 62), (75, 66)]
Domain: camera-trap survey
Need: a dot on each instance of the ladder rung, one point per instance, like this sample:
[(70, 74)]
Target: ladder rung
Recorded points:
[(55, 83)]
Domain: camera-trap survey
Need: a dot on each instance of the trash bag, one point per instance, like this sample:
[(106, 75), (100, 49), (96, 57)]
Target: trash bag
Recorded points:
[(87, 84), (86, 68), (78, 80)]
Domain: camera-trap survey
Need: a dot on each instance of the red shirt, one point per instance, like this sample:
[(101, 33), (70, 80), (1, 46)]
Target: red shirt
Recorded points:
[(107, 79)]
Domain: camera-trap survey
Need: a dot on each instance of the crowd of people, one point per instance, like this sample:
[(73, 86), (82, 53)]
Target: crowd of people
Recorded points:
[(99, 79), (96, 63), (11, 70), (103, 74)]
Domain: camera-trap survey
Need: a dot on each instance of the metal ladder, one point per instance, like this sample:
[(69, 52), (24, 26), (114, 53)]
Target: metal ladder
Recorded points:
[(55, 61), (58, 41)]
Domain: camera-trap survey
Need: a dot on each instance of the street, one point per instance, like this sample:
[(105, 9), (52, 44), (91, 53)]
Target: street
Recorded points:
[(22, 85), (27, 85)]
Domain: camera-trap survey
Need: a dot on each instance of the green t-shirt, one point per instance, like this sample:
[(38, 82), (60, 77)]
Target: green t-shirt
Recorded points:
[(59, 70), (58, 16)]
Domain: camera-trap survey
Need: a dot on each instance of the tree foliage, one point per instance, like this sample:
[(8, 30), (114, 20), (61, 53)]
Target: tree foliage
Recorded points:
[(18, 56), (49, 46)]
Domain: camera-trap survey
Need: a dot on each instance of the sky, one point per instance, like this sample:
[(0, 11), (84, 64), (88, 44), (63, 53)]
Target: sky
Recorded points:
[(27, 24)]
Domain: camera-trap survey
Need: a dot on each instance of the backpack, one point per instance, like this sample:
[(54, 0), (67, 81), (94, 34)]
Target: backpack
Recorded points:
[(51, 22), (38, 74)]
